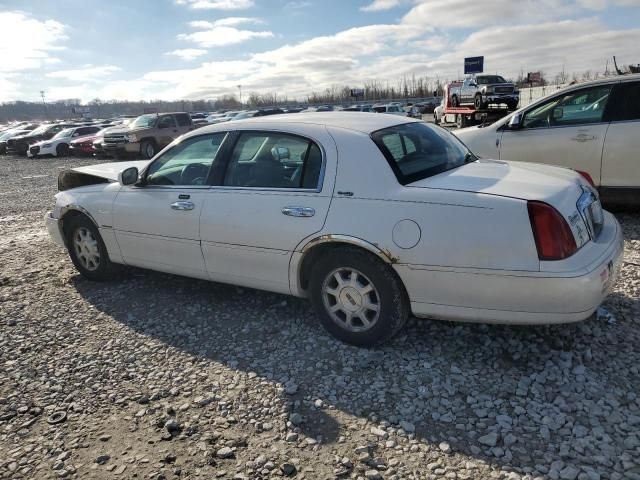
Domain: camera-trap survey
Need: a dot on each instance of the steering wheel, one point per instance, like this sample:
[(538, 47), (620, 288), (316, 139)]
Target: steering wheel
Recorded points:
[(193, 174)]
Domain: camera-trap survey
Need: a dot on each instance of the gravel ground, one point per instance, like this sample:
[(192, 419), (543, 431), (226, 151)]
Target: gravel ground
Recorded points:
[(157, 376)]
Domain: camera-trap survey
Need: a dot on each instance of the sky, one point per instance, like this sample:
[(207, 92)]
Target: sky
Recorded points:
[(203, 49)]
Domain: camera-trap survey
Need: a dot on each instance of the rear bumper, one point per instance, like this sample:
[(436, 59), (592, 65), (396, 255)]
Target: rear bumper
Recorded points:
[(518, 297), (54, 227)]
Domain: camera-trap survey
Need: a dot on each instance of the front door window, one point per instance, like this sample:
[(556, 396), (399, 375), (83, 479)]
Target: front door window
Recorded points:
[(186, 164)]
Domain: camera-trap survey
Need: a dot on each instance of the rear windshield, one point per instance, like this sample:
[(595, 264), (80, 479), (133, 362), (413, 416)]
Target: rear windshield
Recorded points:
[(418, 150)]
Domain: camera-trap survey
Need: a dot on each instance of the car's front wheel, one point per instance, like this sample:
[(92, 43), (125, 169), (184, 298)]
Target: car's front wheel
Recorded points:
[(359, 299), (477, 102), (87, 250)]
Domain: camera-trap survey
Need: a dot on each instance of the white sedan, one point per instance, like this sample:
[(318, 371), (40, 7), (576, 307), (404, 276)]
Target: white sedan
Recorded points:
[(593, 127), (372, 217), (58, 145)]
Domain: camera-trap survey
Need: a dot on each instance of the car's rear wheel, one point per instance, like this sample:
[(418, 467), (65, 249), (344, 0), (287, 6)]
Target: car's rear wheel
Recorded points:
[(454, 101), (62, 150), (148, 149), (87, 250), (359, 299)]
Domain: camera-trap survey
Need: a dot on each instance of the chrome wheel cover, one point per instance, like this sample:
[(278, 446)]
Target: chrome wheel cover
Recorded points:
[(150, 150), (86, 248), (351, 299)]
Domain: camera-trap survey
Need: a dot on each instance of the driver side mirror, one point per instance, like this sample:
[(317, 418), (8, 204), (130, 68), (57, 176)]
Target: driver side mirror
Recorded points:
[(128, 176), (515, 123)]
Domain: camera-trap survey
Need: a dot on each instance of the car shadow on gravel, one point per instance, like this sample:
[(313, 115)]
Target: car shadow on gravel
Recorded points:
[(547, 392)]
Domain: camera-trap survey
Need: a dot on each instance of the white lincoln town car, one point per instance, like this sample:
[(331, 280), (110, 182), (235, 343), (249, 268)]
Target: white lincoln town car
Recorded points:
[(372, 217)]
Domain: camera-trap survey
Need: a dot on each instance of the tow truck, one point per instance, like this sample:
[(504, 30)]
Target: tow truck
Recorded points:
[(467, 116)]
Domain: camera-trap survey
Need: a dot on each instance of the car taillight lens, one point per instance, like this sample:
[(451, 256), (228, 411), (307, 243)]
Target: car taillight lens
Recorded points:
[(587, 177), (554, 239)]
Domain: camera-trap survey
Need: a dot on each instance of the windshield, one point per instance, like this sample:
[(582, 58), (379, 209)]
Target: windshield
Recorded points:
[(148, 120), (67, 132), (418, 150), (487, 79), (40, 129)]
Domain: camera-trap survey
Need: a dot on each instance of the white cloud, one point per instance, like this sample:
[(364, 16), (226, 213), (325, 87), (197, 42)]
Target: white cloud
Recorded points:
[(187, 53), (378, 5), (222, 32), (388, 52), (26, 43), (88, 73), (225, 22), (465, 13), (216, 4), (602, 4)]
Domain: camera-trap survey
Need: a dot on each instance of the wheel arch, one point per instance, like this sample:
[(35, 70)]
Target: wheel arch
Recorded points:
[(318, 246), (70, 212)]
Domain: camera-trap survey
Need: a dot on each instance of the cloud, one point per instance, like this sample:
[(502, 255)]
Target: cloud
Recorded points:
[(187, 53), (222, 32), (463, 13), (26, 43), (225, 22), (216, 4), (88, 73), (379, 5)]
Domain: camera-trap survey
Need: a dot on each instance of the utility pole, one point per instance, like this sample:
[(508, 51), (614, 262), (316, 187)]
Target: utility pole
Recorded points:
[(44, 103), (240, 88)]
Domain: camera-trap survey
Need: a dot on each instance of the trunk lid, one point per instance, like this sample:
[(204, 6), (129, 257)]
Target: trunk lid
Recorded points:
[(561, 188)]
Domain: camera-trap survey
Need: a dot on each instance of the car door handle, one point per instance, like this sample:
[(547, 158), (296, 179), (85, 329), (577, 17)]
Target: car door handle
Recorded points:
[(183, 206), (299, 211), (583, 137)]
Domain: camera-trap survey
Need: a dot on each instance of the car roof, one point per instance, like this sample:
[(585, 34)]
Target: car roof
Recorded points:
[(359, 121)]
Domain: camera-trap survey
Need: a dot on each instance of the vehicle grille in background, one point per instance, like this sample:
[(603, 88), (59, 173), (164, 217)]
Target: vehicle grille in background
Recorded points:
[(503, 89), (114, 140)]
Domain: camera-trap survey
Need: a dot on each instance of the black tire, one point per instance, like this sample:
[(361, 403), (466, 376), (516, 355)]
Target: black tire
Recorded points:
[(477, 102), (512, 106), (388, 292), (454, 101), (148, 149), (460, 120), (104, 269), (62, 150)]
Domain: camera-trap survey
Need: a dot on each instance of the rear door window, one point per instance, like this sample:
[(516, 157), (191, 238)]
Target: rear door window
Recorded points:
[(624, 104), (274, 160), (183, 120)]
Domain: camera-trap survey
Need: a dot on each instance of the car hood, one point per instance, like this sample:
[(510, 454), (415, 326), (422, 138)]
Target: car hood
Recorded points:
[(95, 174), (110, 171)]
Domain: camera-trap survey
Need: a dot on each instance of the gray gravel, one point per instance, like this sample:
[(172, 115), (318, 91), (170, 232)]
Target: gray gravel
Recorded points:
[(157, 376)]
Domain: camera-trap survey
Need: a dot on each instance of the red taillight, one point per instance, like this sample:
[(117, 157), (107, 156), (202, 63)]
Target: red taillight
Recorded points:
[(554, 239), (587, 177)]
